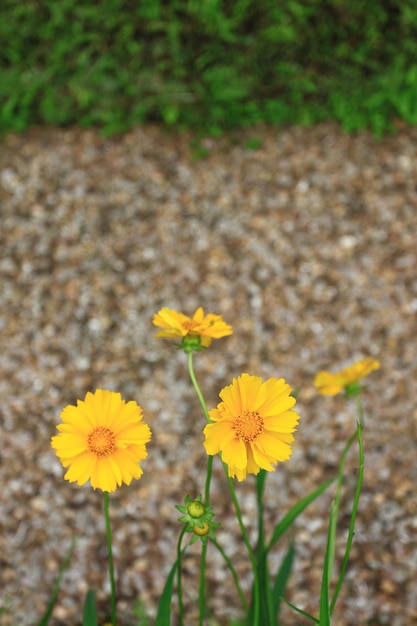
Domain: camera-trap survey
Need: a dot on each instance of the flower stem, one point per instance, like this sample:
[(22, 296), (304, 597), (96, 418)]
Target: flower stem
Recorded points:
[(196, 386), (255, 621), (201, 596), (359, 406), (265, 597), (110, 556), (352, 518), (337, 500), (179, 579), (206, 415), (234, 574), (202, 589)]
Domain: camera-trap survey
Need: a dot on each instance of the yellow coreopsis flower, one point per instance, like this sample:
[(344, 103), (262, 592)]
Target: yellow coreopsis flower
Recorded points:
[(329, 384), (201, 327), (102, 439), (253, 425)]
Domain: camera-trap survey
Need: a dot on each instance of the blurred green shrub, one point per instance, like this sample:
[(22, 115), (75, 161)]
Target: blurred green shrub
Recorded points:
[(208, 65)]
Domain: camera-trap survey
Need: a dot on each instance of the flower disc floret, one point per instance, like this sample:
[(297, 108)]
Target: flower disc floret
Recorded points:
[(204, 327), (329, 384), (252, 427), (102, 440)]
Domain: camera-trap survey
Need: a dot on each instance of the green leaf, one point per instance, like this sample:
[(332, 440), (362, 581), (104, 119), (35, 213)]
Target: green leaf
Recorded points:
[(164, 609), (281, 580), (324, 619), (301, 612), (89, 610), (48, 613), (292, 515), (352, 518)]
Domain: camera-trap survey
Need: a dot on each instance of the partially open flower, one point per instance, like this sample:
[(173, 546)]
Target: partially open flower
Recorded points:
[(253, 425), (102, 439), (329, 384), (202, 531), (196, 333)]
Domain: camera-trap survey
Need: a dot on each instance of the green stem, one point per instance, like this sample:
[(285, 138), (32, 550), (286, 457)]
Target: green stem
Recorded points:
[(234, 574), (336, 503), (248, 547), (202, 590), (179, 579), (208, 480), (206, 415), (359, 406), (196, 386), (265, 598), (352, 518), (110, 555)]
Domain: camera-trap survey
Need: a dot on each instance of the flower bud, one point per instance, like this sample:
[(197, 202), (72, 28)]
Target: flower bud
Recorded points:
[(202, 531), (196, 509)]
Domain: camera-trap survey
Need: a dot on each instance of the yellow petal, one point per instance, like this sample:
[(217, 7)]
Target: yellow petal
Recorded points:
[(253, 467), (217, 436), (235, 472), (234, 453), (283, 423), (69, 444), (273, 446), (261, 458), (198, 315), (81, 468)]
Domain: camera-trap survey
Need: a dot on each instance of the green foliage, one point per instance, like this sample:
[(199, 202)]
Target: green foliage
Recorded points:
[(208, 65), (163, 617), (139, 611), (89, 609), (44, 621)]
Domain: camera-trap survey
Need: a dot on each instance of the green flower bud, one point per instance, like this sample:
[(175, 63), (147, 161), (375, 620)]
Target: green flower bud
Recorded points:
[(196, 509)]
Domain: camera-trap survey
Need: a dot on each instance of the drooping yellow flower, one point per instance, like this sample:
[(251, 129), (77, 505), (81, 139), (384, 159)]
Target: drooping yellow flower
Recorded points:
[(329, 384), (102, 439), (203, 327), (252, 425)]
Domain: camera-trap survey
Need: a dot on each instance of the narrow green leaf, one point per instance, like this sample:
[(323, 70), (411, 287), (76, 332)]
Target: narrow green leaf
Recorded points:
[(89, 610), (337, 500), (164, 608), (281, 580), (324, 619), (331, 540), (289, 518), (301, 612), (352, 519), (48, 613)]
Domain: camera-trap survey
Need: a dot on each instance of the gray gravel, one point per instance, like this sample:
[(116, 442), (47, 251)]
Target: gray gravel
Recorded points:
[(307, 247)]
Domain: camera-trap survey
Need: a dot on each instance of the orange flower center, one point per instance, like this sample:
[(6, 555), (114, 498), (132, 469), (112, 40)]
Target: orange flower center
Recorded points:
[(249, 425), (189, 325), (101, 441)]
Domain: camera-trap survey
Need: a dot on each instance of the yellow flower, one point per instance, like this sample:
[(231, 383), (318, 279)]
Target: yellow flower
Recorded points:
[(102, 439), (329, 384), (204, 327), (253, 425)]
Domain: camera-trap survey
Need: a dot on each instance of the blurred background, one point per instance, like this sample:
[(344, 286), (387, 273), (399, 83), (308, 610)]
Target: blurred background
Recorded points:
[(209, 65), (258, 159)]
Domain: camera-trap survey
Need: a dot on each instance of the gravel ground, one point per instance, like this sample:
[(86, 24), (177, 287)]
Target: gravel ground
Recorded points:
[(307, 246)]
